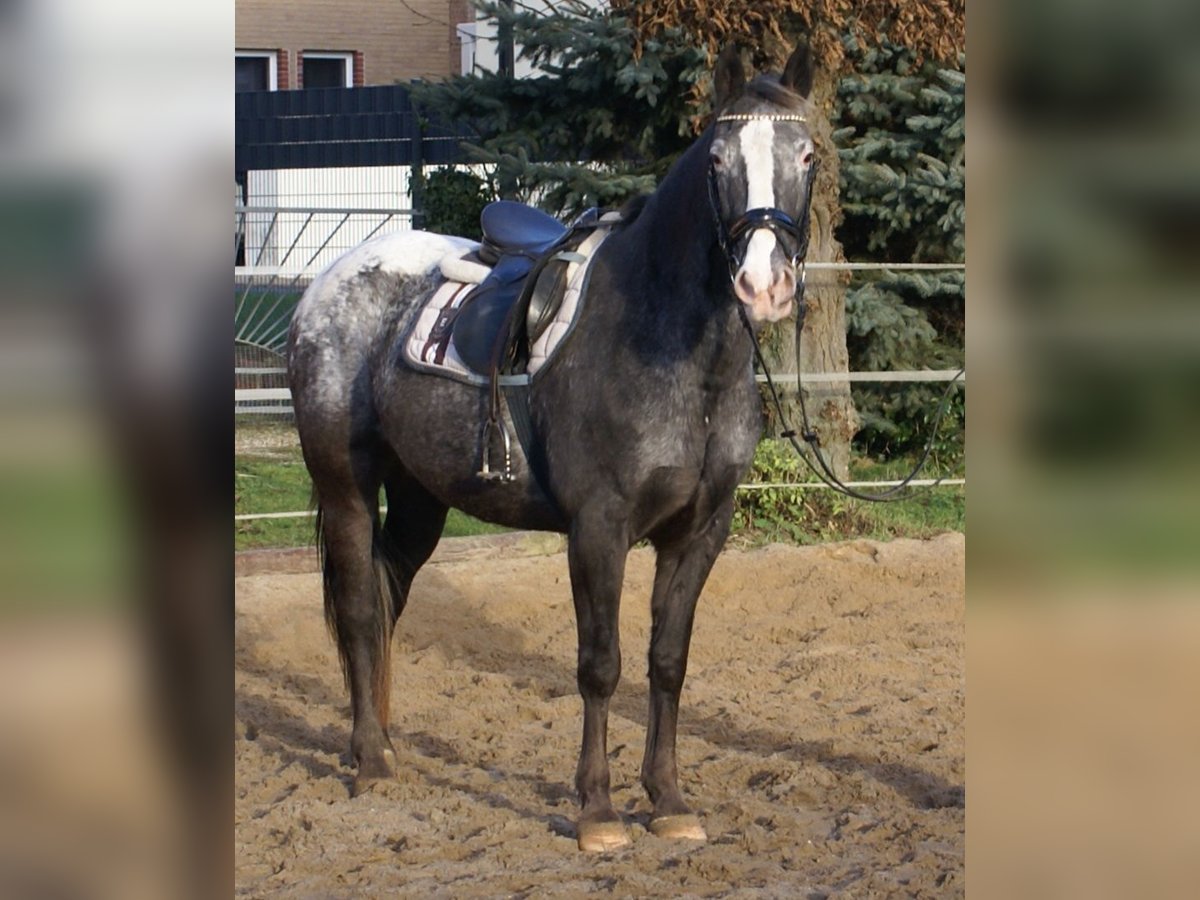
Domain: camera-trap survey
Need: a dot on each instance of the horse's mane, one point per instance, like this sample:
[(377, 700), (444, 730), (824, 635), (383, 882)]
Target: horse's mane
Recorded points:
[(633, 208)]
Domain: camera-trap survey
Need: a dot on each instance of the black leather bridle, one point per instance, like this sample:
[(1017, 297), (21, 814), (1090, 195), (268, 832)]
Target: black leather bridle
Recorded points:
[(789, 232), (784, 226)]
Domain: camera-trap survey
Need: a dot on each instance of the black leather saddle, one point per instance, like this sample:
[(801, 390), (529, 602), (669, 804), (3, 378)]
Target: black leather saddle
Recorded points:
[(516, 240)]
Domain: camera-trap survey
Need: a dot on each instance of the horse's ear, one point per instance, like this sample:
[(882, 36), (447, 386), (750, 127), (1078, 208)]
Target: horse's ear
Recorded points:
[(798, 73), (728, 77)]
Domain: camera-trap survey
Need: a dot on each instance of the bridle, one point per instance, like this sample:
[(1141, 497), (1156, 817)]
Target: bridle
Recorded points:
[(787, 230), (783, 225)]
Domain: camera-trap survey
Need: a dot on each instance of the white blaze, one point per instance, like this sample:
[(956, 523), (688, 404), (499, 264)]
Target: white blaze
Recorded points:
[(757, 141)]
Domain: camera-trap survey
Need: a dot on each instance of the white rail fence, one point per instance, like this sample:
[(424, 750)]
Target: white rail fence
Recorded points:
[(788, 485), (281, 395), (285, 247)]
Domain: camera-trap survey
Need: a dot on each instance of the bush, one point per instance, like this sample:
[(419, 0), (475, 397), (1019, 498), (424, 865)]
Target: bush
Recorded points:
[(813, 515), (771, 509), (453, 200), (804, 516)]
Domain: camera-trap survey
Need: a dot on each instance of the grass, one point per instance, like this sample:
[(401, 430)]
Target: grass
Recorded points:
[(276, 481), (817, 515), (272, 478), (825, 515)]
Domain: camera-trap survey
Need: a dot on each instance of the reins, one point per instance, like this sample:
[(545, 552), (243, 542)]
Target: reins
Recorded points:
[(782, 224), (823, 470)]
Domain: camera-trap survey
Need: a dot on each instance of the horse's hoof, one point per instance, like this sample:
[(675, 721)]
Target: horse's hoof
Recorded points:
[(363, 785), (685, 827), (602, 837), (373, 771)]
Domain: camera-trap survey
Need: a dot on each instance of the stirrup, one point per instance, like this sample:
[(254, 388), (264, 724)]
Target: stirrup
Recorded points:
[(485, 472)]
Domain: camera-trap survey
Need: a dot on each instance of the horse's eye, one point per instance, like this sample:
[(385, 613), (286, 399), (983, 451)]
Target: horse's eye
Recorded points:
[(806, 159), (716, 154)]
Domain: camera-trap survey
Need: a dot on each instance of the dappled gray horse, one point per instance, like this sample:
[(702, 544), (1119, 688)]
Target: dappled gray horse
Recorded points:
[(642, 423)]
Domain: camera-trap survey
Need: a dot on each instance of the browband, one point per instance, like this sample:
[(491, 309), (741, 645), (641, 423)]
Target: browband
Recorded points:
[(770, 117)]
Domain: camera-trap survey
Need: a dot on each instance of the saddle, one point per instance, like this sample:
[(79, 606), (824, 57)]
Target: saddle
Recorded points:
[(498, 321), (511, 228)]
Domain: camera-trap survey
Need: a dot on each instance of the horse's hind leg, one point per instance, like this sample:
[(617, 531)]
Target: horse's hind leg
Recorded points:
[(356, 608), (411, 531), (368, 573)]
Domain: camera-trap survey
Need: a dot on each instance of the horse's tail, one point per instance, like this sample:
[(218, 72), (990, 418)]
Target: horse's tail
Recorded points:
[(386, 600), (330, 585)]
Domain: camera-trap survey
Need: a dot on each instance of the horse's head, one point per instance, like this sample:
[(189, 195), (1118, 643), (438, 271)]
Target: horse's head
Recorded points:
[(761, 166)]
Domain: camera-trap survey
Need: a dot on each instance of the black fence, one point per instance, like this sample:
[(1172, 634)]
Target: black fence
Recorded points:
[(338, 127)]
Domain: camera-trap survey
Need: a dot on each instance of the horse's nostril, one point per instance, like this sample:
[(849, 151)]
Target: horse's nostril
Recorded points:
[(777, 287), (784, 287), (746, 286)]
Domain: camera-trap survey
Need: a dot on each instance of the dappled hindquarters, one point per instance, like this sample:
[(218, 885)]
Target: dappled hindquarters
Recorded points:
[(821, 732)]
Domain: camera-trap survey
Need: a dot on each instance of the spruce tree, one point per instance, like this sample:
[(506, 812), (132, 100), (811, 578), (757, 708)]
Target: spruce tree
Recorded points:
[(598, 127), (902, 152)]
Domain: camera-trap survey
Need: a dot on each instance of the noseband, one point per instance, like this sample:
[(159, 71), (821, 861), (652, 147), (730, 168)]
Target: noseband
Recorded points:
[(770, 217)]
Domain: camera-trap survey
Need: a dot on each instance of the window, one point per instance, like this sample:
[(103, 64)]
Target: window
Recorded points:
[(255, 70), (467, 37), (325, 70)]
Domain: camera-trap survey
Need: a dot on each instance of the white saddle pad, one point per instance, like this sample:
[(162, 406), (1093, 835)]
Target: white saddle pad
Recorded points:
[(422, 355)]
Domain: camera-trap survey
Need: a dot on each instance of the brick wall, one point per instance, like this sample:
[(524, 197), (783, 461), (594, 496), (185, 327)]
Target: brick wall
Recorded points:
[(393, 41), (459, 11), (284, 69)]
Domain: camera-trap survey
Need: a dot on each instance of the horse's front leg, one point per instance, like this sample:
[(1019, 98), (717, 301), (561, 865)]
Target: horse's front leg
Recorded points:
[(596, 555), (681, 572)]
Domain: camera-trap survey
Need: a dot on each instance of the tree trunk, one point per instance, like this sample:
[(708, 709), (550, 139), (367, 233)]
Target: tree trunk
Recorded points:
[(823, 345)]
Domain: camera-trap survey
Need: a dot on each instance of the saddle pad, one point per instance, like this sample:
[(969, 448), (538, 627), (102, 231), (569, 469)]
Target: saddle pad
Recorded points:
[(419, 349), (577, 272), (421, 354)]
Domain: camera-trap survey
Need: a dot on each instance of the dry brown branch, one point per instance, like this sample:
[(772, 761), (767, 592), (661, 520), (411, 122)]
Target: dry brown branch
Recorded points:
[(930, 28)]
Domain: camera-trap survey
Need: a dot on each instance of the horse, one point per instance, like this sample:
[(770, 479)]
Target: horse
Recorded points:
[(645, 420)]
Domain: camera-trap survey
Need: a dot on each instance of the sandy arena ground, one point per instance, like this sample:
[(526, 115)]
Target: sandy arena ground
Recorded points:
[(821, 733)]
